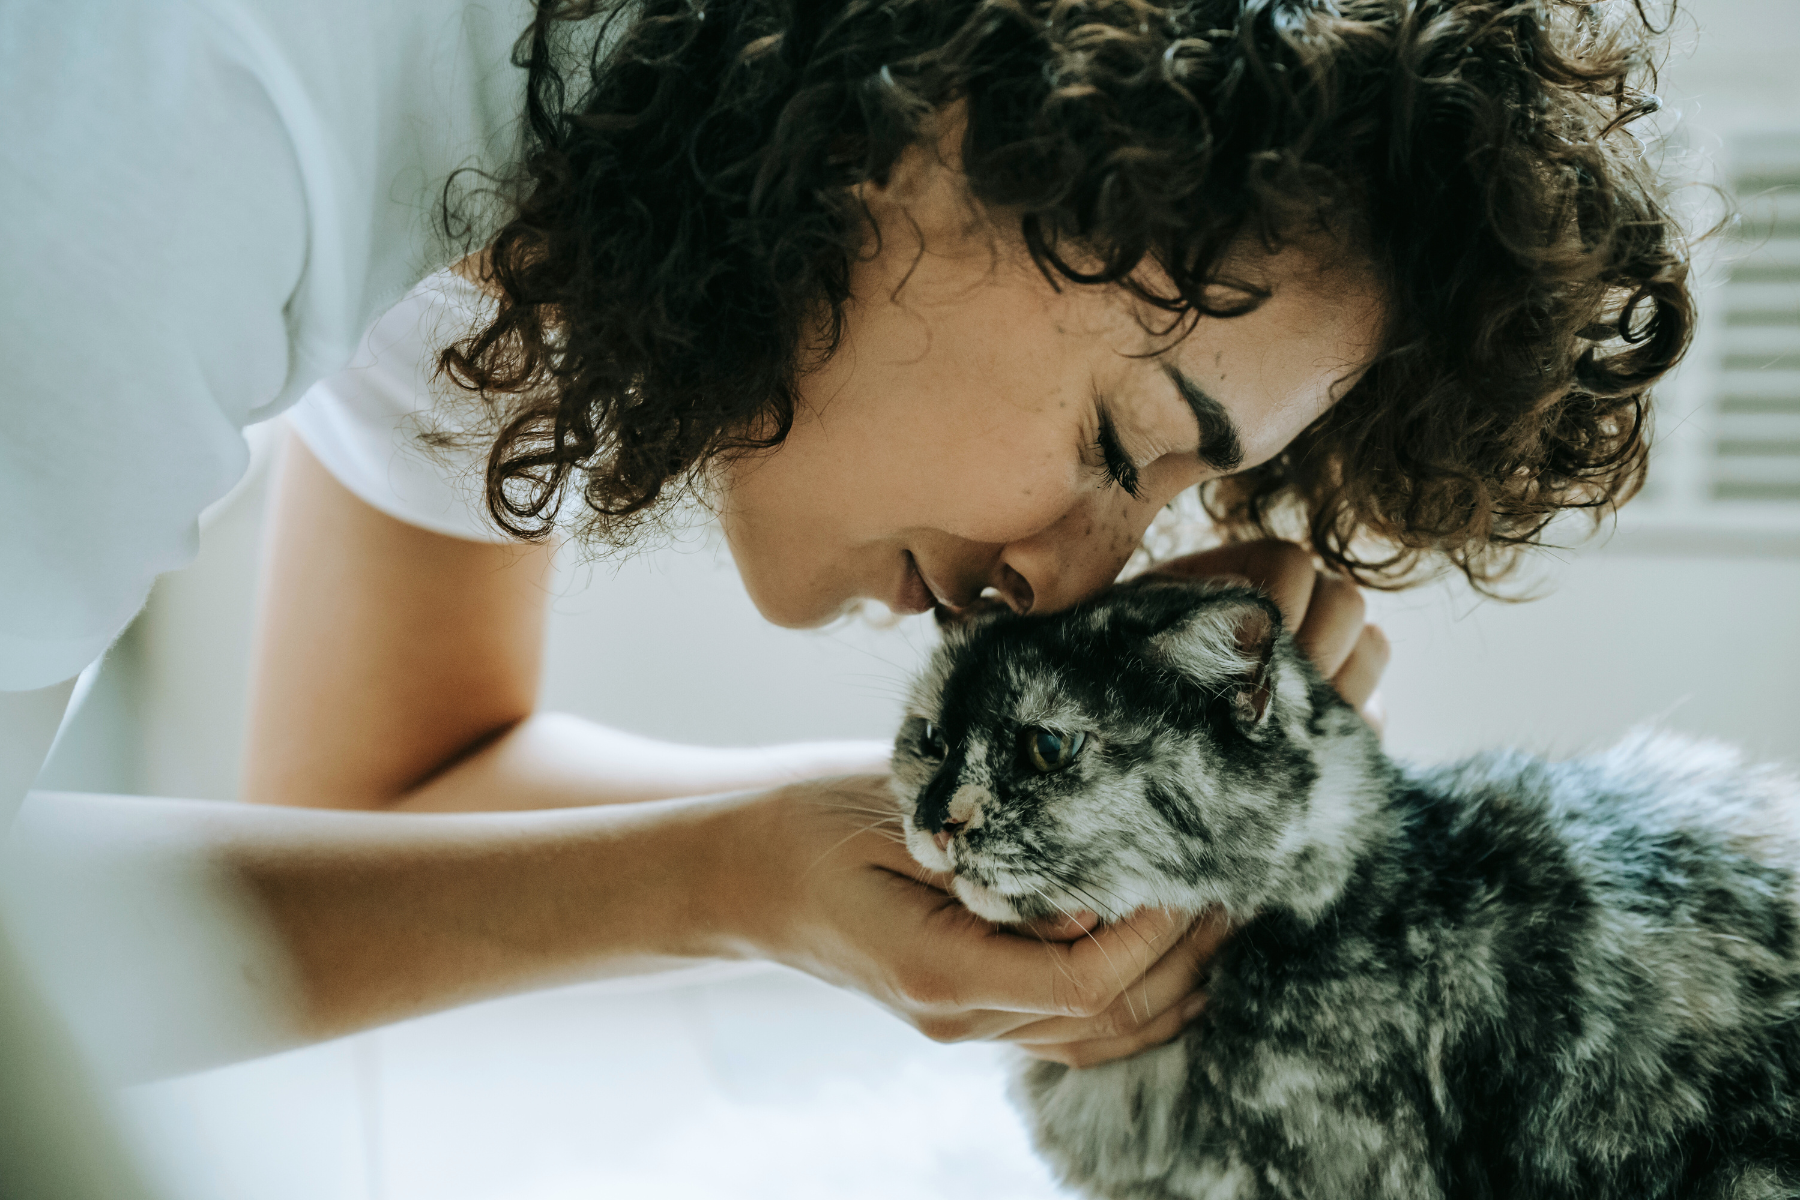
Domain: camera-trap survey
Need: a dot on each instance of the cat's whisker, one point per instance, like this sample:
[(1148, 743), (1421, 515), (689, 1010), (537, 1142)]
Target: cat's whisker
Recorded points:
[(885, 814), (1080, 891), (1081, 888), (872, 827), (864, 808), (1087, 889), (922, 876), (886, 689), (868, 653), (1067, 916), (877, 823), (885, 829), (1118, 977), (1045, 897)]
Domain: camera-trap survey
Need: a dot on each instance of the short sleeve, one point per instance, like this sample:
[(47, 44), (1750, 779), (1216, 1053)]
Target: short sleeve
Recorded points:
[(369, 424)]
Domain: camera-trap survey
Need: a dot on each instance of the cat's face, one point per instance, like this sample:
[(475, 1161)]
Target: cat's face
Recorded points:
[(1164, 745)]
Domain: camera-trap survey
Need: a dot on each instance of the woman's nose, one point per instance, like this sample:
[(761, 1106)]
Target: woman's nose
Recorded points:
[(1054, 570), (1014, 588)]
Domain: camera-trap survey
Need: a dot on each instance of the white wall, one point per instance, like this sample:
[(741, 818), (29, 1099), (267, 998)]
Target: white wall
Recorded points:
[(669, 644), (1706, 646)]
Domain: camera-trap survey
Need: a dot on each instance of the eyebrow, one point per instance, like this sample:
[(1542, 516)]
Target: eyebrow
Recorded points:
[(1220, 446)]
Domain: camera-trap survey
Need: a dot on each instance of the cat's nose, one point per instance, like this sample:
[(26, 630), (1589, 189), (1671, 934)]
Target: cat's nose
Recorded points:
[(951, 829)]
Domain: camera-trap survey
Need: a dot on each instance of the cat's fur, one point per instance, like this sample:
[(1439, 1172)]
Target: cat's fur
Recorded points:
[(1506, 978)]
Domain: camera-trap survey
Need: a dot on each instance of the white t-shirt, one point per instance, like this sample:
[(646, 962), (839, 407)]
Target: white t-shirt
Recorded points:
[(366, 422), (204, 204)]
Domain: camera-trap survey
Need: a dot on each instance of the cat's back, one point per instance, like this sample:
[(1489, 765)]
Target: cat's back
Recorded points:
[(1659, 825), (1617, 937)]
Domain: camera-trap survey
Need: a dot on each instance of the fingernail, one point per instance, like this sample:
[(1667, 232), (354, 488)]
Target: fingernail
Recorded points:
[(1193, 1006)]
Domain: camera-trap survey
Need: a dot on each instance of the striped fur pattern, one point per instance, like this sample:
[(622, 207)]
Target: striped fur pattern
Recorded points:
[(1506, 978)]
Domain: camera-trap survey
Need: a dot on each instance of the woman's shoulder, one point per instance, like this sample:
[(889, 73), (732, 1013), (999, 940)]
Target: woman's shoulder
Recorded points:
[(393, 429)]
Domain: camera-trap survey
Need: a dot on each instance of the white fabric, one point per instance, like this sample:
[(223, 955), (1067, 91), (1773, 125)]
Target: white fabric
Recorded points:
[(365, 423), (206, 203)]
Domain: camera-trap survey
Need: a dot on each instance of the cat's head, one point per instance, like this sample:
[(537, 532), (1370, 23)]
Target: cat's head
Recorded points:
[(1166, 744)]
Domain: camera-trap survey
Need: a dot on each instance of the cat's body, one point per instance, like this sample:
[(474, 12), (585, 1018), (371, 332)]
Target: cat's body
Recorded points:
[(1505, 978)]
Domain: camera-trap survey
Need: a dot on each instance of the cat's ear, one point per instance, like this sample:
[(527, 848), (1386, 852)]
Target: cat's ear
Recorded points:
[(1226, 647)]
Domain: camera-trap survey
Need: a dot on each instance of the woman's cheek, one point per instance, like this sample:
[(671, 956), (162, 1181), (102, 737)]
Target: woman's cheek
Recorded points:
[(996, 513)]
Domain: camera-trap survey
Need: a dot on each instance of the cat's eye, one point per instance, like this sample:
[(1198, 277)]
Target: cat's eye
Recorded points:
[(1046, 750), (931, 741)]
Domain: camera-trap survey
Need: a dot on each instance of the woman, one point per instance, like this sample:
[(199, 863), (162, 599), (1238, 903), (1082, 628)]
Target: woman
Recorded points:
[(931, 301)]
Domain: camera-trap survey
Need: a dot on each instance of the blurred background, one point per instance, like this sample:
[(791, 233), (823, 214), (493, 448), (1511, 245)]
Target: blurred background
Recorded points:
[(757, 1082)]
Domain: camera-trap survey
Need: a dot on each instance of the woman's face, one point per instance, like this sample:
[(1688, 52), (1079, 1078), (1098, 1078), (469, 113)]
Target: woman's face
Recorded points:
[(977, 428)]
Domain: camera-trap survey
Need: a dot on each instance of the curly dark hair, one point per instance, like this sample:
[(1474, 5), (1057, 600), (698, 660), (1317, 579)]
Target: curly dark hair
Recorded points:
[(686, 214)]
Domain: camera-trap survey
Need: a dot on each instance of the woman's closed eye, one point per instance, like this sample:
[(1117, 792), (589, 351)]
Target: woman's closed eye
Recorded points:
[(1118, 464)]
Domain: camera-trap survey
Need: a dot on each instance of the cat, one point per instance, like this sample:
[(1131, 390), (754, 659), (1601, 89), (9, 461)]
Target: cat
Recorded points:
[(1504, 978)]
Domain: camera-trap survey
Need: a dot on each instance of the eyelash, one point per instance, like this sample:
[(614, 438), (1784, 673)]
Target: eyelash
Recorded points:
[(1119, 467)]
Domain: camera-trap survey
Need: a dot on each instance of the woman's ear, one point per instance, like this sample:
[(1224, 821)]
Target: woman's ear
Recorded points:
[(1226, 645)]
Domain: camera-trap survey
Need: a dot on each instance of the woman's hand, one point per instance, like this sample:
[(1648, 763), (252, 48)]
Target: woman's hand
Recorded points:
[(1324, 612), (824, 883)]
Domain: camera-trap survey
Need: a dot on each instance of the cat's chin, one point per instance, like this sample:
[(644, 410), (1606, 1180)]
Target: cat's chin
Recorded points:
[(986, 903), (926, 852), (978, 898)]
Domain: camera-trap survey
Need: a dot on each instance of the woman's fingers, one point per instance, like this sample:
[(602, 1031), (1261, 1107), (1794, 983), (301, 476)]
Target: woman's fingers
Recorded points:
[(1093, 1052), (1333, 623), (1168, 985), (963, 967), (1065, 927), (1103, 965), (1360, 672)]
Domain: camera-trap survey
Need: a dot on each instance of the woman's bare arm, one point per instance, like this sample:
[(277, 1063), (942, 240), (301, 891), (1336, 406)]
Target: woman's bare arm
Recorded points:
[(397, 668)]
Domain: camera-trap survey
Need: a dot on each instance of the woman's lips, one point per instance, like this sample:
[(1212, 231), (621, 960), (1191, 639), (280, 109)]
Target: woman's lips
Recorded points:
[(915, 595), (940, 598)]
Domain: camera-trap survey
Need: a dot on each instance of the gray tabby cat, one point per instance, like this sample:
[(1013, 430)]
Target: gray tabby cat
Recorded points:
[(1503, 978)]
